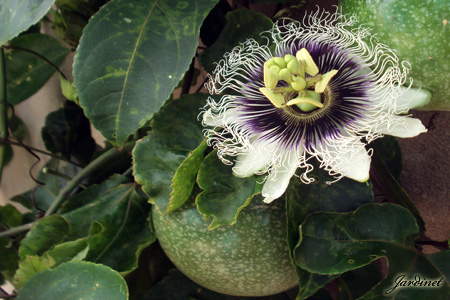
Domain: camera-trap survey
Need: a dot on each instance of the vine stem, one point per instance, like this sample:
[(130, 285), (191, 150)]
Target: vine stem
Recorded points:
[(76, 180), (3, 109), (71, 185), (13, 143)]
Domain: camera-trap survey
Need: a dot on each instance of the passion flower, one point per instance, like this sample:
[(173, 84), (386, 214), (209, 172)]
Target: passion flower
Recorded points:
[(316, 90)]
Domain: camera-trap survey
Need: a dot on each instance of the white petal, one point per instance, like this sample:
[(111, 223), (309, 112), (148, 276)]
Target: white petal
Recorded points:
[(403, 127), (352, 161), (257, 159), (412, 98), (218, 120), (278, 179)]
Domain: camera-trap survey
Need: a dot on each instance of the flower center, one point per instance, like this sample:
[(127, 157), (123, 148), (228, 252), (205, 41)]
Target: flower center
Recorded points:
[(292, 70)]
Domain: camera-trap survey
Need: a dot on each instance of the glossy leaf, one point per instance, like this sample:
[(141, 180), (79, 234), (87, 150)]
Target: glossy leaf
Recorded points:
[(388, 149), (165, 153), (304, 199), (75, 250), (333, 243), (153, 44), (241, 25), (75, 280), (75, 206), (356, 283), (184, 179), (393, 192), (214, 23), (113, 218), (43, 236), (18, 16), (118, 239), (26, 72), (224, 195)]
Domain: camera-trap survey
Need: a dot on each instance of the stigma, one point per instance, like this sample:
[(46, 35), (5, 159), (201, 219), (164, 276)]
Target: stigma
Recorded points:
[(304, 82)]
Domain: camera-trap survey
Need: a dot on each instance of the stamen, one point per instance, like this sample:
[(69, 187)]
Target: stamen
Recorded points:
[(322, 84), (293, 65), (311, 67), (277, 99), (270, 80)]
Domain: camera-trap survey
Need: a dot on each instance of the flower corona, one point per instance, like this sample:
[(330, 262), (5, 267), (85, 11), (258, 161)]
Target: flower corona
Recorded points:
[(315, 90)]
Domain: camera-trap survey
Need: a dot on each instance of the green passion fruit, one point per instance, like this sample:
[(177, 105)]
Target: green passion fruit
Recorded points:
[(419, 32), (249, 258)]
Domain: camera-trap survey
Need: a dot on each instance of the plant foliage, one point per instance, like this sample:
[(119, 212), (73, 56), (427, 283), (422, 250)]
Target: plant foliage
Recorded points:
[(85, 230)]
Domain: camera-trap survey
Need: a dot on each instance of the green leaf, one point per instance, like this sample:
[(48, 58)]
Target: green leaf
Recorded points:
[(75, 250), (26, 72), (214, 23), (18, 16), (8, 259), (333, 243), (124, 74), (77, 205), (67, 132), (17, 127), (176, 134), (389, 151), (241, 24), (54, 178), (224, 195), (304, 199), (442, 259), (68, 89), (118, 239), (29, 267), (176, 286), (71, 16), (392, 190), (75, 280), (43, 236), (356, 283), (113, 218), (184, 179), (6, 155), (9, 217)]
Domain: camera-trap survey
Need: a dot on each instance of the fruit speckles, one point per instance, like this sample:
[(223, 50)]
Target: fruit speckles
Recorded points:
[(250, 258), (418, 31)]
